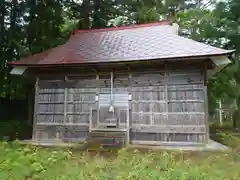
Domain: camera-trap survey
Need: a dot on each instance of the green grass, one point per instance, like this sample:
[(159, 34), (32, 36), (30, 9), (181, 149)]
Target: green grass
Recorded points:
[(19, 162), (34, 163)]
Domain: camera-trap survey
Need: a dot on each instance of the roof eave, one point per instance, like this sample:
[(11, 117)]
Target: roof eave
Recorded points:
[(18, 63)]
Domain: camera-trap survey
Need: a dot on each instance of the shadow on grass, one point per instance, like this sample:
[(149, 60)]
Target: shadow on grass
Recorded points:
[(13, 129)]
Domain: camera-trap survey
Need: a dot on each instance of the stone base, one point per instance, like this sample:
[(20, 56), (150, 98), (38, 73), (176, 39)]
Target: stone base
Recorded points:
[(211, 146)]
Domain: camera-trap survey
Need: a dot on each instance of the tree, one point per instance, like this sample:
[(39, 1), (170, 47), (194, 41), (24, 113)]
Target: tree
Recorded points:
[(229, 24), (31, 26), (44, 24)]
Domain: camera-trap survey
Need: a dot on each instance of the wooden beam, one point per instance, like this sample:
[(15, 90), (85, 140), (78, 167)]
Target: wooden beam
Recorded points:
[(50, 113), (187, 101), (78, 113), (166, 143), (78, 126), (188, 129), (80, 102), (148, 101), (52, 102), (61, 124)]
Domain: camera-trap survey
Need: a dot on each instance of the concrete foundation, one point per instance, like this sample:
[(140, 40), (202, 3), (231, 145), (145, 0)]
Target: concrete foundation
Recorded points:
[(211, 146)]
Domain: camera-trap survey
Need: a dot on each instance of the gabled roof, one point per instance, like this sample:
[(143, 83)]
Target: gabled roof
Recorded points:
[(158, 41)]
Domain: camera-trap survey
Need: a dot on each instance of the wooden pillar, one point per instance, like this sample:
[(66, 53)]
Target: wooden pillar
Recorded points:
[(206, 106), (97, 102), (65, 101), (220, 112), (90, 120), (151, 107), (35, 133), (206, 114), (166, 95), (129, 114)]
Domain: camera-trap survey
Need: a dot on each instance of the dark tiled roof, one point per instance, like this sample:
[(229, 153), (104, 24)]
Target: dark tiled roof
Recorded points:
[(133, 43)]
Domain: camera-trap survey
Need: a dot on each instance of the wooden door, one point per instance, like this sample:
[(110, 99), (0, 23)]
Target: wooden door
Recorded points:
[(113, 110)]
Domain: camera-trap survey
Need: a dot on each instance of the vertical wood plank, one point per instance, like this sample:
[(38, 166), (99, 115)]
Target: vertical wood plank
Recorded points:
[(35, 108), (97, 102), (206, 104), (129, 114), (206, 114), (166, 92), (90, 120), (128, 128), (151, 107), (65, 101), (166, 97)]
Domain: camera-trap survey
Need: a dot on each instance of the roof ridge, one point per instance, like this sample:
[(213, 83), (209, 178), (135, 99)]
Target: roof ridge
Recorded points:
[(204, 43), (116, 28)]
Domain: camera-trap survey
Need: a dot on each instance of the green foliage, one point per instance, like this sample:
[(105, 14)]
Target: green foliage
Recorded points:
[(218, 26), (43, 28), (228, 28), (31, 162), (26, 27), (31, 26), (19, 162)]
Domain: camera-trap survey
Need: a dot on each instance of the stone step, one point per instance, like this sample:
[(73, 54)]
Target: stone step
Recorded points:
[(106, 139)]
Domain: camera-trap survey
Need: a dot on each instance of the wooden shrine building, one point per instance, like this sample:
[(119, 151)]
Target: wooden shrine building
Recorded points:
[(143, 81)]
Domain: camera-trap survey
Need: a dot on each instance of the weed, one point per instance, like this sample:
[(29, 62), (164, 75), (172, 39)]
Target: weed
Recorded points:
[(31, 162)]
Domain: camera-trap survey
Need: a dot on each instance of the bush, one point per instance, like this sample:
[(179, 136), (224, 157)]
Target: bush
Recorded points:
[(30, 162), (19, 162), (225, 134), (216, 127), (151, 165)]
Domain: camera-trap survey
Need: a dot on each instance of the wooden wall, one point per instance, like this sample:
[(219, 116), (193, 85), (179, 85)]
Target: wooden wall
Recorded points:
[(167, 105)]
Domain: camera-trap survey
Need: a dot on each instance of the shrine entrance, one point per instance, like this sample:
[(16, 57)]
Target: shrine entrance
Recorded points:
[(110, 118)]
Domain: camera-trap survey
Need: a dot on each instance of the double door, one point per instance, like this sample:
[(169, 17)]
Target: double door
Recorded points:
[(112, 111)]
